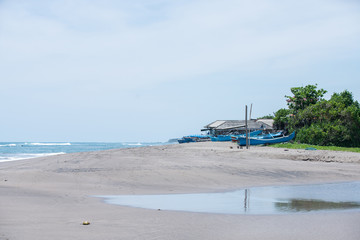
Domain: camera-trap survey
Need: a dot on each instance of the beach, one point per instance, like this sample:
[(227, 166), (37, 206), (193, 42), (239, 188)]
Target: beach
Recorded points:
[(51, 197)]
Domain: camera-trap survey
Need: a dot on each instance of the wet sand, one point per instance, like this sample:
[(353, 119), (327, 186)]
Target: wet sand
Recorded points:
[(49, 198)]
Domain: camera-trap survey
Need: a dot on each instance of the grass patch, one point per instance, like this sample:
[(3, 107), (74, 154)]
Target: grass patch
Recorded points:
[(304, 146)]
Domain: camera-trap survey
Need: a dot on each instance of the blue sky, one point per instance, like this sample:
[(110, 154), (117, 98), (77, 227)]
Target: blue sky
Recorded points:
[(157, 69)]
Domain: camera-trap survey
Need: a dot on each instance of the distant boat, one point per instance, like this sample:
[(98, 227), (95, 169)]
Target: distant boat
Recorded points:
[(181, 140), (224, 138), (194, 138), (258, 141)]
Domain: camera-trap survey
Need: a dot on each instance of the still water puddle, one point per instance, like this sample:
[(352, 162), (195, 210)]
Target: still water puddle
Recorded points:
[(257, 200)]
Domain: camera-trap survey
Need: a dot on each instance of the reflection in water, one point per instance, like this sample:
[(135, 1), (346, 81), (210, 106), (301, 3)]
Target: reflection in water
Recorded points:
[(263, 200), (246, 199), (301, 205)]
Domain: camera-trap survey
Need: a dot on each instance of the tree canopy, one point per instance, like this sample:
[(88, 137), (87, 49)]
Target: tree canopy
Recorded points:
[(333, 122), (304, 97)]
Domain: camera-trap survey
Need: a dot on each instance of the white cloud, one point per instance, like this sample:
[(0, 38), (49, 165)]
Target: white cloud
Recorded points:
[(76, 50), (94, 39)]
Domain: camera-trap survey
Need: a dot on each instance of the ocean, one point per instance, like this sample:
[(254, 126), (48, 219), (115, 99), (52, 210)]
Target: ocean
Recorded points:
[(12, 151)]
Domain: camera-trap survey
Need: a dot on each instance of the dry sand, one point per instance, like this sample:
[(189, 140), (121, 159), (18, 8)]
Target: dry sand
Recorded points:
[(49, 198)]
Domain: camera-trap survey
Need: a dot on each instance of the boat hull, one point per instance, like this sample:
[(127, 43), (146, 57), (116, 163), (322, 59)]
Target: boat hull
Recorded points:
[(258, 141)]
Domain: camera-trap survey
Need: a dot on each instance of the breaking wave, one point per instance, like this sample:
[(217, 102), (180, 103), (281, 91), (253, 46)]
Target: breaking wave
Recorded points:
[(8, 145), (48, 144), (133, 144)]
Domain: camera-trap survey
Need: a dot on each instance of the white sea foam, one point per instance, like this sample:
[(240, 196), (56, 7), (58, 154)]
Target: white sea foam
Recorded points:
[(8, 145), (22, 156), (133, 144), (49, 144)]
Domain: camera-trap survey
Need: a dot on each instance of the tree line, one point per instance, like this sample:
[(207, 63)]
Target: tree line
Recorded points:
[(333, 122)]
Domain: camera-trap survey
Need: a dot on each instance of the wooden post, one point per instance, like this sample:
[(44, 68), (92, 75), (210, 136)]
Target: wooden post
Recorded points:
[(246, 128)]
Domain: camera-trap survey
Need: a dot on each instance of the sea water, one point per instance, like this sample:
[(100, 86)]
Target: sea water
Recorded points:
[(258, 200), (12, 151)]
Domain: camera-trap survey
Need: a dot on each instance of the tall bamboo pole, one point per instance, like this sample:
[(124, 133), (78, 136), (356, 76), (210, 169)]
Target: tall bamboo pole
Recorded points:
[(246, 128), (250, 112)]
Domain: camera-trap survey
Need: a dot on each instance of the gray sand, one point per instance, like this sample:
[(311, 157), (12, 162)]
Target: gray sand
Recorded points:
[(49, 198)]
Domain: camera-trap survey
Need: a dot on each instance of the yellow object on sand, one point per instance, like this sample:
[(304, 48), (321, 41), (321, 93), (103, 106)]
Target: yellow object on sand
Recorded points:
[(86, 223)]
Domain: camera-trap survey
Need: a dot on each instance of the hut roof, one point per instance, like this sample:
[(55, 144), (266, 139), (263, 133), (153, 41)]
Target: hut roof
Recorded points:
[(269, 122), (239, 124)]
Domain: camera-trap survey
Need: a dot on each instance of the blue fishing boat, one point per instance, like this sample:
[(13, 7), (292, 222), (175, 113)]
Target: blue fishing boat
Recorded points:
[(270, 135), (224, 138), (259, 141), (181, 140)]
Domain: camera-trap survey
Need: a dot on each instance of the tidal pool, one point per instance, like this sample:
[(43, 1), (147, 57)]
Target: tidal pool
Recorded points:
[(257, 200)]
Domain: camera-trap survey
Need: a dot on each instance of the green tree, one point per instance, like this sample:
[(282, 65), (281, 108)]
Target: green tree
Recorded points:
[(282, 118), (345, 98), (304, 97), (267, 117), (335, 122)]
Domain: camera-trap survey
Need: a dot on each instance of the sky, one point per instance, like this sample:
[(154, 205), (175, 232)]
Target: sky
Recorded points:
[(151, 70)]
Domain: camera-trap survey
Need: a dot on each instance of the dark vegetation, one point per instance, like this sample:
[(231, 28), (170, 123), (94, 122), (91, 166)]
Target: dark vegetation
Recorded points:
[(333, 122)]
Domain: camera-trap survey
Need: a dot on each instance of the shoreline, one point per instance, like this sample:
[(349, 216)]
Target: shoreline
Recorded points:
[(49, 197), (13, 151)]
